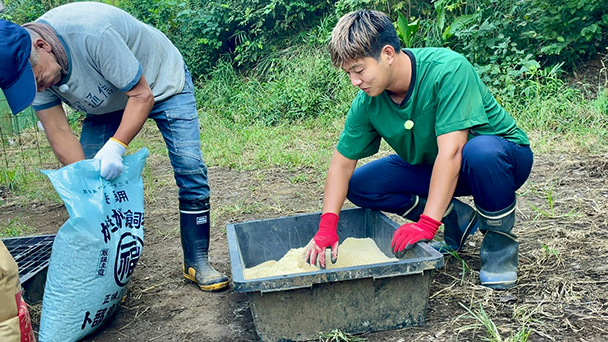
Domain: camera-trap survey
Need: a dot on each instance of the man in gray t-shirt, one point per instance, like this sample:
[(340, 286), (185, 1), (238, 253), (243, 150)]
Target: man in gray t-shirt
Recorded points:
[(100, 60)]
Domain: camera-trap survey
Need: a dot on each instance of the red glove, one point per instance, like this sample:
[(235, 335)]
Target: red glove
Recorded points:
[(326, 237), (409, 234)]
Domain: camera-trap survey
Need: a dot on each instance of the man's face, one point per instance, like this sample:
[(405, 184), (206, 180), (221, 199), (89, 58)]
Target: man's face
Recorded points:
[(47, 71), (368, 74)]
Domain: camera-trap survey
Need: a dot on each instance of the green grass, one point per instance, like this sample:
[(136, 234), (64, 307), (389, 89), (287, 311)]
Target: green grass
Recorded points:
[(560, 119), (26, 184), (301, 85), (465, 268), (259, 147), (491, 332), (14, 228), (550, 211)]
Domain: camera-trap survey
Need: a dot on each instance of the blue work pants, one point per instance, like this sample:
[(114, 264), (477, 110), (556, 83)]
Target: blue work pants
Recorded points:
[(177, 120)]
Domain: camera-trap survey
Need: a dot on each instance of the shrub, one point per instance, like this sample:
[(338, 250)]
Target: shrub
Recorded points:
[(568, 31)]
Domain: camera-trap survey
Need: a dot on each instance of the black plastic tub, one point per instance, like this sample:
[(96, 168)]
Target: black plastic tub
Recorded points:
[(357, 299)]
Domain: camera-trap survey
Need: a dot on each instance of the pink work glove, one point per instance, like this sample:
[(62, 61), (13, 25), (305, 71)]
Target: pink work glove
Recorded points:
[(409, 234), (326, 237)]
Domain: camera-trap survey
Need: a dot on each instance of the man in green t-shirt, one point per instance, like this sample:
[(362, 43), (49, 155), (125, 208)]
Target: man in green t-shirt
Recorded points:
[(451, 139)]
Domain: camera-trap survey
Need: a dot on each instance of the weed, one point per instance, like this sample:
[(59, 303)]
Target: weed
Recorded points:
[(454, 254), (14, 228), (550, 254), (551, 251), (298, 179), (550, 212), (339, 336), (483, 321), (8, 178)]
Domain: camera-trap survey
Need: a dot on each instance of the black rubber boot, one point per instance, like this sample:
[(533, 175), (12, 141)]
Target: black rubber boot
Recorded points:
[(459, 221), (414, 209), (499, 249), (195, 222)]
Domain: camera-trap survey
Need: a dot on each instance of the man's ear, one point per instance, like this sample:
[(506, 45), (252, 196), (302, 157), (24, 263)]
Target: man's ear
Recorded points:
[(42, 44), (389, 52)]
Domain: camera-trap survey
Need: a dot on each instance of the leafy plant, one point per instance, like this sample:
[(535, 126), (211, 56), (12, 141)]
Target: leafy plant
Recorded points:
[(567, 31), (23, 11), (406, 30), (239, 31), (8, 178)]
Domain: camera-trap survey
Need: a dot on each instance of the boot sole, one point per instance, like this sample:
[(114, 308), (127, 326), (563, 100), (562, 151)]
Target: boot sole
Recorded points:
[(208, 288), (500, 285)]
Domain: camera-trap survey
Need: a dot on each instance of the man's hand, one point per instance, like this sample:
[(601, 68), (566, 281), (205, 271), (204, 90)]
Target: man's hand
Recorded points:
[(409, 234), (111, 158), (327, 236)]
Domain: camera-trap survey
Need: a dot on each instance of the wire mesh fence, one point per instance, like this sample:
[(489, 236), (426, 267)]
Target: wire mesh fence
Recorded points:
[(22, 142), (24, 150)]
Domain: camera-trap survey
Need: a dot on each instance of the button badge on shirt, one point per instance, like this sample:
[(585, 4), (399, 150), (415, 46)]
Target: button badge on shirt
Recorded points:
[(409, 124)]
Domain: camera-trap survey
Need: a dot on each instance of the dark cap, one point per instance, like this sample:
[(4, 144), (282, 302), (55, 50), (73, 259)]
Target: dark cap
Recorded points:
[(16, 76)]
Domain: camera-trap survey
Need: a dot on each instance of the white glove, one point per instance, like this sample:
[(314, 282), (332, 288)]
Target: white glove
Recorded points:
[(111, 158)]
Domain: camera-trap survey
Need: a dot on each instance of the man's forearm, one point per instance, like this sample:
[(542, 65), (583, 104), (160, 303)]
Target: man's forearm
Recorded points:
[(443, 184), (67, 148), (134, 117), (446, 171), (336, 185), (65, 145), (139, 105)]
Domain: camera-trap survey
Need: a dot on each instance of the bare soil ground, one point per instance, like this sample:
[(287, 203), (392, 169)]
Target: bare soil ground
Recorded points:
[(561, 295)]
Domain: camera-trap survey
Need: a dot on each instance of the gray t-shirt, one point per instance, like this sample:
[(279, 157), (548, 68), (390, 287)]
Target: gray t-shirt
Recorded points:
[(108, 51)]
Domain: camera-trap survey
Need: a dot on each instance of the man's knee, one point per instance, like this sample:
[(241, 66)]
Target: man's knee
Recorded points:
[(482, 151)]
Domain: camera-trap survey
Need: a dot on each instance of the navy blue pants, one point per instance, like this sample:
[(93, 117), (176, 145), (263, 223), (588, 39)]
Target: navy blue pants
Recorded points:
[(492, 169)]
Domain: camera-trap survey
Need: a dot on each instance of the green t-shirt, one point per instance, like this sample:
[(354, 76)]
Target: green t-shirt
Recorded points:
[(445, 95)]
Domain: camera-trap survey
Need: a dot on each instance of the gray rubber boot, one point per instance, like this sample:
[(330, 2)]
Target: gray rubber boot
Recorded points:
[(459, 221), (499, 249), (195, 229)]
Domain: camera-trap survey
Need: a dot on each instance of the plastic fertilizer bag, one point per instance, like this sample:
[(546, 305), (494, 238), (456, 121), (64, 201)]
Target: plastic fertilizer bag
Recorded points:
[(96, 249)]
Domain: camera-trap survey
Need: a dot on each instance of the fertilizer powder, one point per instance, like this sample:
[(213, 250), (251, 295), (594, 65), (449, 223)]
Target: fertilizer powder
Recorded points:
[(352, 252)]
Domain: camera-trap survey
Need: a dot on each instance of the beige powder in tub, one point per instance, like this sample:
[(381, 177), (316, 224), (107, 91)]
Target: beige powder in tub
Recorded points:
[(352, 252)]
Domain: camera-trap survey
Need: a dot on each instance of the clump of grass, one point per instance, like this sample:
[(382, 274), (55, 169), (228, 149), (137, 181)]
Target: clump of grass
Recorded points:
[(492, 332), (465, 267), (559, 117), (550, 211), (14, 228), (550, 254), (302, 85), (339, 336)]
